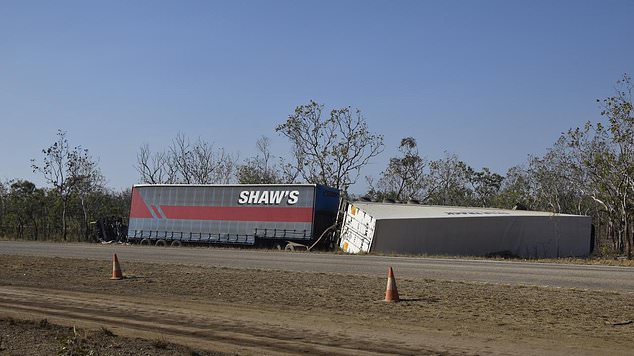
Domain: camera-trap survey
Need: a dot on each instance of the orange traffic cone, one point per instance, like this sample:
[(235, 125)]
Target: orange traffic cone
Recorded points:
[(391, 293), (116, 269)]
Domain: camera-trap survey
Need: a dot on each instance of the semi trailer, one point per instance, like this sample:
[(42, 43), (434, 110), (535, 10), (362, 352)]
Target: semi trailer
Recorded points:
[(289, 216), (267, 215), (417, 229)]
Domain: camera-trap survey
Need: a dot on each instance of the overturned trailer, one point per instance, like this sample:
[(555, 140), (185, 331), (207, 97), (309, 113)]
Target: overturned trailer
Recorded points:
[(263, 215), (460, 231)]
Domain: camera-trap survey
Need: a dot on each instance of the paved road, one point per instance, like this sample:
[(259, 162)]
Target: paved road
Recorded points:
[(517, 273)]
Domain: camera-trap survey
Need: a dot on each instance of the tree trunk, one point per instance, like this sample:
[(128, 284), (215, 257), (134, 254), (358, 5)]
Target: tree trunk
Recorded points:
[(85, 217), (35, 229), (64, 219), (20, 229), (629, 237)]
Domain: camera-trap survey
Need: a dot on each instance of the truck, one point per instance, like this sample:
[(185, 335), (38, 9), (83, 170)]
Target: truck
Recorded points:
[(285, 216)]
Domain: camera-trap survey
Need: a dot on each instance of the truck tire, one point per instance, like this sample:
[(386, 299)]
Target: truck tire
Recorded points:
[(176, 243), (161, 243), (145, 242), (289, 247)]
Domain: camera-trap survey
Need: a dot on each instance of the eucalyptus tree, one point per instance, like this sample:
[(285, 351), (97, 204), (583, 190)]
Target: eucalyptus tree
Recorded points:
[(329, 149), (486, 187), (404, 177), (26, 209), (516, 190), (449, 180), (551, 179), (602, 155)]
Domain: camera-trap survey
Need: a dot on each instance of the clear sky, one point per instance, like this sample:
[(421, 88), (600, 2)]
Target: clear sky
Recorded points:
[(491, 81)]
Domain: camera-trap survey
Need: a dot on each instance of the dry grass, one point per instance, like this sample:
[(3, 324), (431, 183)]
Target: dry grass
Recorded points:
[(477, 307)]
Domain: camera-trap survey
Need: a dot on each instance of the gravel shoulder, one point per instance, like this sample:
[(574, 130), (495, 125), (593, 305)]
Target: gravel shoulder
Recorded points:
[(259, 311), (597, 277)]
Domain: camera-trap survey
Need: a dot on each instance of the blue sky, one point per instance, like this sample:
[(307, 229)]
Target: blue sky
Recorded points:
[(491, 81)]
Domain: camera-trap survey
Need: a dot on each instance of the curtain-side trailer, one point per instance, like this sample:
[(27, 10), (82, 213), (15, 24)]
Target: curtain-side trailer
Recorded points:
[(262, 215)]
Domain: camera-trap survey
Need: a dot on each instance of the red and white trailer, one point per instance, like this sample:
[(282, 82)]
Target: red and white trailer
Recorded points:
[(231, 214)]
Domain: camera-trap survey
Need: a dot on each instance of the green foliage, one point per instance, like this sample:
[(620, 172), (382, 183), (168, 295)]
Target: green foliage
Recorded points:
[(31, 213), (404, 177), (446, 181), (64, 210), (588, 171), (600, 158), (486, 186)]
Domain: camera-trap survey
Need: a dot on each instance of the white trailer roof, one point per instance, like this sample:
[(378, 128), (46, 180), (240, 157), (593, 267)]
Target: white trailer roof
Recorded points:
[(416, 211)]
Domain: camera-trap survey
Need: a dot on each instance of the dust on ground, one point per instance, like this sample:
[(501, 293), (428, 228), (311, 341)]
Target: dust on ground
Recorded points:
[(278, 312), (40, 337)]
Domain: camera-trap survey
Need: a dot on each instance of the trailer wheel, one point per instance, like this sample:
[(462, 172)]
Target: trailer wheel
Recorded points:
[(160, 243), (176, 243), (289, 247), (144, 242)]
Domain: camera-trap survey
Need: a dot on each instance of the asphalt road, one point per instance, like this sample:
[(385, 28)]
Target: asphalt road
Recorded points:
[(608, 278)]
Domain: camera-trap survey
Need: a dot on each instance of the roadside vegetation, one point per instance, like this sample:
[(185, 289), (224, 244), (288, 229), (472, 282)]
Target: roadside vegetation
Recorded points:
[(589, 170)]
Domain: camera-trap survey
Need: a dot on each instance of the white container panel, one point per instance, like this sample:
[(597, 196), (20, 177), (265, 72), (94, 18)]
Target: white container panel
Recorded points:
[(357, 231)]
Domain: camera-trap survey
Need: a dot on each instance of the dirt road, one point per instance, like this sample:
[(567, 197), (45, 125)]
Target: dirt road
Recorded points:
[(255, 311)]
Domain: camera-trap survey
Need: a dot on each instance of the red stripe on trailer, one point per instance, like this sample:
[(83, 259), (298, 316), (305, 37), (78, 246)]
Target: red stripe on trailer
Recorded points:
[(238, 213), (138, 208), (156, 211)]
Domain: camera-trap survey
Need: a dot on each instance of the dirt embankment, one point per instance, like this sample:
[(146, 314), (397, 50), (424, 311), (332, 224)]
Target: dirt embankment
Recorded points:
[(277, 312)]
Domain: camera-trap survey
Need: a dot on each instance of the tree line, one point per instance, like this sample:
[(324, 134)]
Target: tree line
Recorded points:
[(67, 208), (589, 170)]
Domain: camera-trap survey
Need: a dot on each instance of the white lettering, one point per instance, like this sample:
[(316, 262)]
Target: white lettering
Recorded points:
[(244, 196), (264, 198), (253, 198), (277, 196), (292, 199), (268, 197)]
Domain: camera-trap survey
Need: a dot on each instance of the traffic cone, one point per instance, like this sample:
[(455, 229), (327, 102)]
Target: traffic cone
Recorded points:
[(116, 269), (391, 293)]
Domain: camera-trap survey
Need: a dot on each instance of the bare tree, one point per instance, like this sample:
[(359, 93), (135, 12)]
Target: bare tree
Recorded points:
[(260, 169), (186, 162), (152, 166), (66, 168), (332, 150)]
